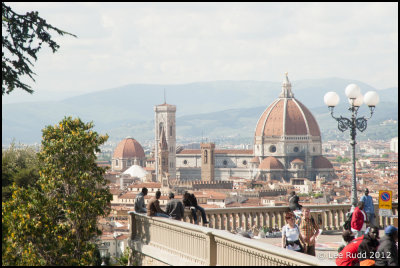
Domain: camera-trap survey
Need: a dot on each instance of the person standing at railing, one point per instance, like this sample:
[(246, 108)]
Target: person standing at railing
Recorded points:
[(369, 207), (358, 225), (190, 201), (309, 230), (140, 207), (291, 235), (174, 208), (153, 207)]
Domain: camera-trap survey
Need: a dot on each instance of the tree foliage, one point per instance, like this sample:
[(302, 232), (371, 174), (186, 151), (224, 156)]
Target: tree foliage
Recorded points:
[(19, 166), (55, 223), (22, 38)]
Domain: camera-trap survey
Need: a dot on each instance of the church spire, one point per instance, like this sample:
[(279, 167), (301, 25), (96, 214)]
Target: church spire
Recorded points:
[(286, 88)]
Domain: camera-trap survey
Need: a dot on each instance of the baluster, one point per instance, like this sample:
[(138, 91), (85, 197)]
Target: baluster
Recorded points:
[(264, 219), (246, 221), (269, 223), (281, 220), (325, 220), (234, 225), (251, 219), (222, 223), (258, 219)]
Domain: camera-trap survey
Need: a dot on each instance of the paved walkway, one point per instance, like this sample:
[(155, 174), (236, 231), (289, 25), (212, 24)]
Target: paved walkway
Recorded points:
[(326, 247)]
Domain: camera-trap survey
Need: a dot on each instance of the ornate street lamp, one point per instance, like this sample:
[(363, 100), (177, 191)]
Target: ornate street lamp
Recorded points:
[(356, 99)]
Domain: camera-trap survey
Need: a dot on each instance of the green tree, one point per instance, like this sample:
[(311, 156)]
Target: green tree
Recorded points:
[(22, 38), (123, 260), (56, 222), (20, 166)]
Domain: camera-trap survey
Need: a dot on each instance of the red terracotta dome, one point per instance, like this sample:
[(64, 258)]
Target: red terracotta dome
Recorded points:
[(287, 116), (321, 162), (129, 148), (298, 160), (271, 163)]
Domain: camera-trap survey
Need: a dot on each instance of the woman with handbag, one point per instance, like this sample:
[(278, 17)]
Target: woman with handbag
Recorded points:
[(291, 235)]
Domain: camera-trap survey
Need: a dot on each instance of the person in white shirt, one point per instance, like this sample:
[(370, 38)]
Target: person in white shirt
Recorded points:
[(291, 235)]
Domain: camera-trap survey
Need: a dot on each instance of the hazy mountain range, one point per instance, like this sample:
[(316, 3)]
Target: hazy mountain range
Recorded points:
[(217, 109)]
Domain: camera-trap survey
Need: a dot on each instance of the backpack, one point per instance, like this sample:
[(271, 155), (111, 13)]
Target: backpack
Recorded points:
[(347, 223)]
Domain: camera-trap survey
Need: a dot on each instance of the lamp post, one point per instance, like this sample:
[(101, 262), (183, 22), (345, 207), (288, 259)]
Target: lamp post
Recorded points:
[(356, 99)]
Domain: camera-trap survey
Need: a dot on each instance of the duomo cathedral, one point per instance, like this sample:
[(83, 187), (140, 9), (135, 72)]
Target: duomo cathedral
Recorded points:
[(287, 145)]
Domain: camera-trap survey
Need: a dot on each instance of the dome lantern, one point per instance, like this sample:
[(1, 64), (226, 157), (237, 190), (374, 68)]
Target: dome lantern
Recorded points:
[(286, 88)]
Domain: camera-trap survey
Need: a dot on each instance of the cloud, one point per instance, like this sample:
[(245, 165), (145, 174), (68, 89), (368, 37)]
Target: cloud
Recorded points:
[(121, 43)]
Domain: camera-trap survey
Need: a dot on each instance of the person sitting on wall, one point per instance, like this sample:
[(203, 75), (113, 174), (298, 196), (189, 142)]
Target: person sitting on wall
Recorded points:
[(153, 207), (140, 207), (294, 202), (190, 201), (175, 208)]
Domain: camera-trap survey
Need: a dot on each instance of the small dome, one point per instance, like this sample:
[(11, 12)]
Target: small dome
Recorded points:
[(271, 163), (136, 171), (298, 160), (321, 162), (129, 148)]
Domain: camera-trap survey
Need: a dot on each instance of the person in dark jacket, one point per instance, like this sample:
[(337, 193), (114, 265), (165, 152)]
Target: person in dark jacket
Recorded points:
[(294, 202), (174, 208), (190, 201), (369, 245), (387, 253)]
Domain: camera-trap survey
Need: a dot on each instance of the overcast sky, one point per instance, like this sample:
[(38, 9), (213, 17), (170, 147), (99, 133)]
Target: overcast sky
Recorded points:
[(175, 43)]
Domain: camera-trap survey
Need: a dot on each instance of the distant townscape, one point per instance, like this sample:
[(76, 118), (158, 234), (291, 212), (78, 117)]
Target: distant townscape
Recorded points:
[(287, 155)]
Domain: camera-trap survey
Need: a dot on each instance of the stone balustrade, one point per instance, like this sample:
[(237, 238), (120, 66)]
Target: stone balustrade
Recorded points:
[(161, 241), (329, 217)]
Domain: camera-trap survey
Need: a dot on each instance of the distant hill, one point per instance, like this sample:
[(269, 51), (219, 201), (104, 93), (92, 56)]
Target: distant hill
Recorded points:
[(219, 109)]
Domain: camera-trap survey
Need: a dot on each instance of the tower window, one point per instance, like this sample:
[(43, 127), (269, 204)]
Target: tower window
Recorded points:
[(205, 157), (170, 131)]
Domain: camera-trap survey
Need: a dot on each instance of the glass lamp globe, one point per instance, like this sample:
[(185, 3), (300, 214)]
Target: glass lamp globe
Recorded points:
[(358, 101), (371, 98), (331, 99), (352, 91)]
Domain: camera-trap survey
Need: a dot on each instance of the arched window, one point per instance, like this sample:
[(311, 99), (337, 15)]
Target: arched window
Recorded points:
[(161, 127), (205, 157)]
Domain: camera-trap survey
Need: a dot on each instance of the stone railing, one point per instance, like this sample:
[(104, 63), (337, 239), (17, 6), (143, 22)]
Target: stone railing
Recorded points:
[(160, 241), (329, 217)]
